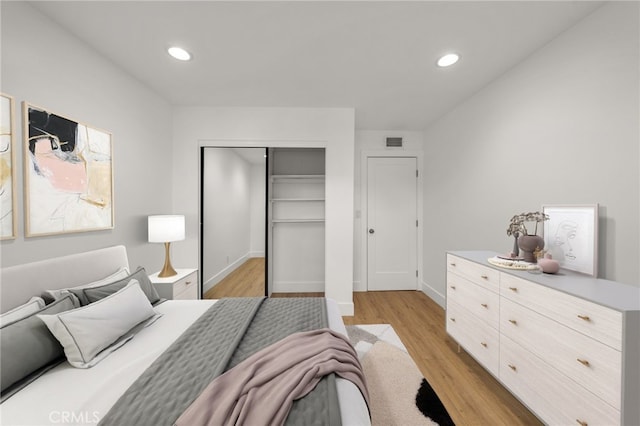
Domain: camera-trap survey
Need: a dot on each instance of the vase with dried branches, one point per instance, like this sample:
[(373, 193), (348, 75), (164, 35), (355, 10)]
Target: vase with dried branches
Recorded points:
[(529, 244)]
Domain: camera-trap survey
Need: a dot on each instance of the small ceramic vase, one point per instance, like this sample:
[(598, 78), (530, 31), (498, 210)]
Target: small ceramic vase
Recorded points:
[(548, 265), (529, 244)]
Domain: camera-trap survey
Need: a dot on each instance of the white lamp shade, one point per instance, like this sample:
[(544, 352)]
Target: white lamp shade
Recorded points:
[(166, 228)]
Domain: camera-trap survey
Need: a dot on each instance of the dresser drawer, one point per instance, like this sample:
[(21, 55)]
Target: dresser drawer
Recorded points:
[(481, 302), (591, 319), (189, 292), (556, 399), (185, 285), (479, 274), (479, 339), (590, 363)]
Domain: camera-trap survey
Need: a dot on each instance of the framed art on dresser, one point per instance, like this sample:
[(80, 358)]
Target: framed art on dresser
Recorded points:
[(68, 174), (571, 236), (8, 223)]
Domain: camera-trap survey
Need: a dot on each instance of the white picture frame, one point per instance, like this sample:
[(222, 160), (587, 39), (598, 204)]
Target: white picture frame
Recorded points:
[(571, 236), (8, 193)]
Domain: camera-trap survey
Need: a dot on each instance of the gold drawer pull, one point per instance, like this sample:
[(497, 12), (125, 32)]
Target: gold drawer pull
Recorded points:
[(484, 305), (584, 362), (452, 264), (584, 317), (484, 277), (483, 344), (513, 367), (514, 322), (582, 423), (187, 282), (514, 289)]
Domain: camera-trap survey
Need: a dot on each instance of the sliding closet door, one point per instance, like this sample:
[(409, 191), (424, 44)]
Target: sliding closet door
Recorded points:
[(233, 222)]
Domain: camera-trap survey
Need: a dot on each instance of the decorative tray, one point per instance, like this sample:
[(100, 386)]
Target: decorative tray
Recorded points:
[(512, 263)]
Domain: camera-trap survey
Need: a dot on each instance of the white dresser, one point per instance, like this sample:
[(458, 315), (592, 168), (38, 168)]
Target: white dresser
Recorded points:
[(567, 345)]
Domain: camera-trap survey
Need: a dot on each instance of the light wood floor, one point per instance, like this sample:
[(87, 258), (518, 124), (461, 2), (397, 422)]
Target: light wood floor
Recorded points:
[(245, 281), (470, 394)]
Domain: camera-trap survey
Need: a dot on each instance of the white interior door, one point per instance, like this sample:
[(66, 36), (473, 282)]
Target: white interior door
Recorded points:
[(392, 223)]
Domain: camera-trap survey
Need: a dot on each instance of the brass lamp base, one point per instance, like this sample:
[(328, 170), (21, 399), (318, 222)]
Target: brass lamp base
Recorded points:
[(167, 269)]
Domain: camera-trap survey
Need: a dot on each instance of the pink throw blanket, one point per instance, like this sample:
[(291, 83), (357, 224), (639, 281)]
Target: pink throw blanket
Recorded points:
[(262, 388)]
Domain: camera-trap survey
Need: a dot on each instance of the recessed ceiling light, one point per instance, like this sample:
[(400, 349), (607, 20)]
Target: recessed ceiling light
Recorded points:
[(179, 53), (448, 60)]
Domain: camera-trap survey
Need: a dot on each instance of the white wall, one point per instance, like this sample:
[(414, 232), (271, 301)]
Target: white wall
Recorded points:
[(560, 128), (227, 185), (374, 142), (330, 128), (46, 66)]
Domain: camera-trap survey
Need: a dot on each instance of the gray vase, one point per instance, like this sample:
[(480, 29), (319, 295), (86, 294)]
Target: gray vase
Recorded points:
[(529, 244)]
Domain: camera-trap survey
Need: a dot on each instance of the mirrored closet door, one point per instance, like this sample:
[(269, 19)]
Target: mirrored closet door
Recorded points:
[(233, 221)]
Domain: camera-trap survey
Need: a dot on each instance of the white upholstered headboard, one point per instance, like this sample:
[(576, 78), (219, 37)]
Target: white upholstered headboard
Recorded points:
[(21, 282)]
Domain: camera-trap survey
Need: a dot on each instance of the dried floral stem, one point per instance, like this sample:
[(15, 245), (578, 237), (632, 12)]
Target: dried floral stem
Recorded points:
[(517, 223)]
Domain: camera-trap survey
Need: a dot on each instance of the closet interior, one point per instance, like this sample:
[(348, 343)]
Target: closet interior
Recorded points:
[(296, 212)]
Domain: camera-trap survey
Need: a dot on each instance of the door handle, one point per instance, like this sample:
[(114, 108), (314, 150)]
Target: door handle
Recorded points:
[(371, 231)]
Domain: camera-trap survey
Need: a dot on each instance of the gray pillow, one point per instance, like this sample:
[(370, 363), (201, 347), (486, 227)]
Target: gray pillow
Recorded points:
[(88, 333), (27, 345), (33, 305), (51, 295), (93, 294)]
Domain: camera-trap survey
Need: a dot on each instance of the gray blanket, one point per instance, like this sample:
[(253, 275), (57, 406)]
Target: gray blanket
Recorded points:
[(226, 334)]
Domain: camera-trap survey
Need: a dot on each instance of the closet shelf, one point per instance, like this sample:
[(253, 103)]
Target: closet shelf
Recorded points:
[(293, 179), (297, 199), (298, 221), (297, 176)]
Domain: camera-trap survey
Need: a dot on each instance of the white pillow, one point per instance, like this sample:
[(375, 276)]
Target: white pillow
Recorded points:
[(90, 333), (32, 306), (51, 295)]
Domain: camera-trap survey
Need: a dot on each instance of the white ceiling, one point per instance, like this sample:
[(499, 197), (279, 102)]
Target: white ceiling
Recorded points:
[(375, 56)]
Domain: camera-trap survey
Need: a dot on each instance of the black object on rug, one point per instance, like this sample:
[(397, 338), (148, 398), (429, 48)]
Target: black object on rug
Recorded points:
[(430, 405)]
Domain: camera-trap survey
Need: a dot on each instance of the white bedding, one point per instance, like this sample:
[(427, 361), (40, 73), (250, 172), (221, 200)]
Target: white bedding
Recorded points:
[(72, 396)]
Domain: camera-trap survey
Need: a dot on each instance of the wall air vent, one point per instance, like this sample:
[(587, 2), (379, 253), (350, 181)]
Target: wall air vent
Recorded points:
[(394, 142)]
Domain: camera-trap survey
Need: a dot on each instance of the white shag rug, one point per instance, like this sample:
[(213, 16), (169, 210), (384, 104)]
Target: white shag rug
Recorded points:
[(392, 377)]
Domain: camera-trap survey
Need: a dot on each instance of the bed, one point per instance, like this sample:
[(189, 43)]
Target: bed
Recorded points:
[(148, 371)]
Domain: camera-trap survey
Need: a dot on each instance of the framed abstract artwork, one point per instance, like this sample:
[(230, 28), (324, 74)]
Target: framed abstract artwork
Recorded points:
[(8, 222), (68, 173), (571, 236)]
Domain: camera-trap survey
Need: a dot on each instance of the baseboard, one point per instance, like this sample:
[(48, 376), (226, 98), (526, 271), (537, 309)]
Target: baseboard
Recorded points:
[(211, 282), (359, 286), (256, 254), (298, 286), (433, 294), (346, 309)]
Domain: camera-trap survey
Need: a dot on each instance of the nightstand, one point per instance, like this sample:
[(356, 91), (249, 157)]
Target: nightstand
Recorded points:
[(184, 285)]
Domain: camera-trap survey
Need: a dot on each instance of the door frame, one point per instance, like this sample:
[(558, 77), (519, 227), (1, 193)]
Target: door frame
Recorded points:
[(243, 143), (364, 187)]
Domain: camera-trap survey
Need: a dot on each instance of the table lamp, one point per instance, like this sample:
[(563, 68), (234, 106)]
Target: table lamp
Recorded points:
[(166, 229)]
